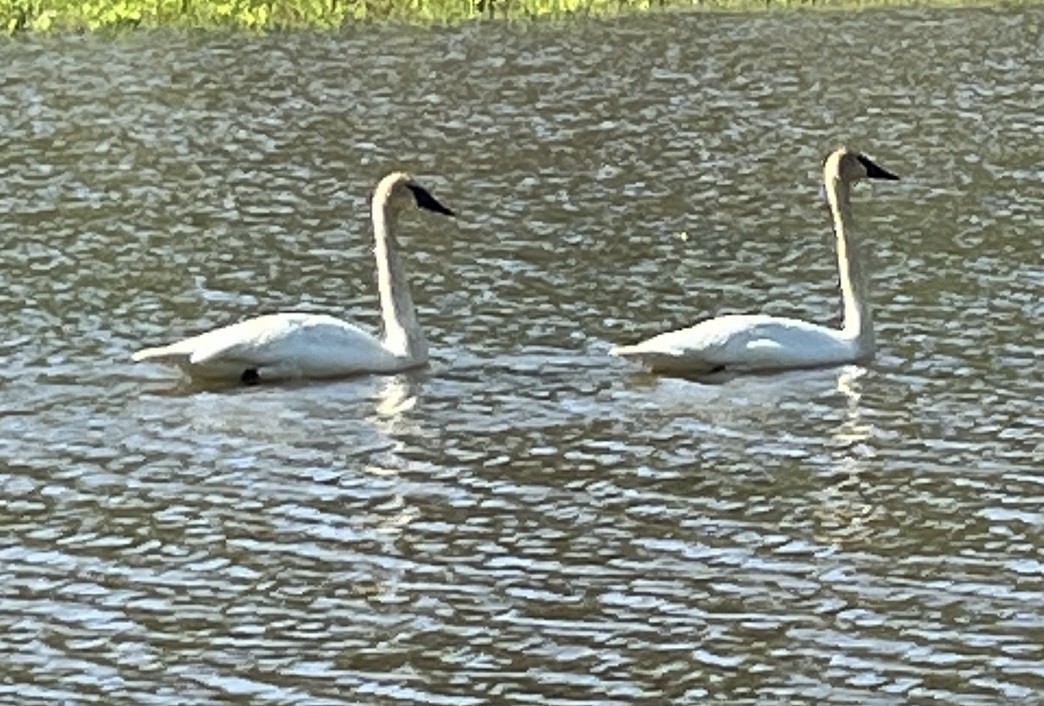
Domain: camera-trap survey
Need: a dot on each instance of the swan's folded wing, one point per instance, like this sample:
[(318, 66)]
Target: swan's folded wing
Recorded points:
[(306, 344), (213, 351), (786, 343), (254, 342), (732, 340)]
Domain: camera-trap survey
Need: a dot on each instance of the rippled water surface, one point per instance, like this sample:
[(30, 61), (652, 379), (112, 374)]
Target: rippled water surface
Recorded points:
[(528, 520)]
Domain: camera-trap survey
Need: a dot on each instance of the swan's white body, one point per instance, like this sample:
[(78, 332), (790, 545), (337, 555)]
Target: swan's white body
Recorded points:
[(299, 345), (279, 347), (747, 343), (742, 343)]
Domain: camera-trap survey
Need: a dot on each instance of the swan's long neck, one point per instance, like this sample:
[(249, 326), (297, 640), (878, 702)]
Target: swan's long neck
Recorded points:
[(402, 333), (856, 323)]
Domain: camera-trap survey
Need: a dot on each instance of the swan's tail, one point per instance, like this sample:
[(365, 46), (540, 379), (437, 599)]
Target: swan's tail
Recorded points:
[(658, 360), (170, 355), (626, 351)]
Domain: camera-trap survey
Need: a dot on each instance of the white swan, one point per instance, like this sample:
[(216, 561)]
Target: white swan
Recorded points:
[(297, 345), (741, 343)]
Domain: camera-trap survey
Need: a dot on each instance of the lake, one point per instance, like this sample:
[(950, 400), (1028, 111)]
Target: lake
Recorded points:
[(528, 520)]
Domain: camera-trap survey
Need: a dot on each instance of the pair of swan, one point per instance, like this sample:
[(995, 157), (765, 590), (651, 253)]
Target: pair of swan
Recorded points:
[(297, 345)]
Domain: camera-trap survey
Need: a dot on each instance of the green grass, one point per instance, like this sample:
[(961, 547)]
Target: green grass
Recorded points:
[(267, 15)]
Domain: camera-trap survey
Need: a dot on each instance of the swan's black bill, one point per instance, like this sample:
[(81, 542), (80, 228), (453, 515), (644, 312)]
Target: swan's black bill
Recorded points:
[(875, 172), (427, 201)]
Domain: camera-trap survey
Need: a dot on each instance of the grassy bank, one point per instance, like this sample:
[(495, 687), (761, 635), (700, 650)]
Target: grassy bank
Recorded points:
[(261, 15)]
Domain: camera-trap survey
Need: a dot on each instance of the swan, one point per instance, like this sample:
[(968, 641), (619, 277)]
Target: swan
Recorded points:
[(298, 345), (747, 343)]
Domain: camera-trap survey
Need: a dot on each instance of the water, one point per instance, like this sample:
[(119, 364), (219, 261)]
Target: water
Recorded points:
[(528, 520)]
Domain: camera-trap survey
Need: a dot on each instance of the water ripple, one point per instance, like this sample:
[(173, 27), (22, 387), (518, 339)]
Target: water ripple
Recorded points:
[(528, 520)]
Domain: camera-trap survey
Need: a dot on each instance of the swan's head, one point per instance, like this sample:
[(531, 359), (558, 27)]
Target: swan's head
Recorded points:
[(398, 191), (848, 165)]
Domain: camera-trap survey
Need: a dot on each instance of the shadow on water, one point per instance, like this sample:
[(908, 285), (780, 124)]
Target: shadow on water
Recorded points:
[(772, 379), (405, 384)]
